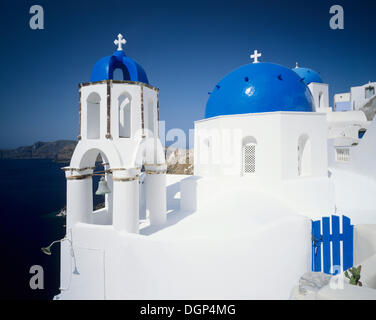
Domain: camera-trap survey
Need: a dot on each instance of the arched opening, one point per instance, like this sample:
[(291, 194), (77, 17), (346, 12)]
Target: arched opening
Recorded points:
[(304, 155), (249, 145), (93, 115), (321, 96), (361, 133), (101, 204), (118, 74), (124, 103), (150, 117)]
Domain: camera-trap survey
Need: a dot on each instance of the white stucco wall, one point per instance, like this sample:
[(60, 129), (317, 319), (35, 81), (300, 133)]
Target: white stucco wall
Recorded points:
[(277, 135), (320, 93), (358, 97), (177, 263)]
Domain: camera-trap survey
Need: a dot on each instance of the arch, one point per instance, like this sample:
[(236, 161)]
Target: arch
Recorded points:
[(104, 68), (125, 115), (84, 155), (93, 116), (321, 98), (90, 157), (100, 202), (361, 133), (249, 145), (120, 74), (304, 155)]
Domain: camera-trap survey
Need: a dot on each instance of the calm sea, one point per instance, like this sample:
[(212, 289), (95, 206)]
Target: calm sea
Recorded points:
[(31, 193)]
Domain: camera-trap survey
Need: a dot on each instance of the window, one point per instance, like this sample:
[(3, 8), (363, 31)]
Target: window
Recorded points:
[(93, 115), (150, 117), (319, 101), (370, 92), (249, 156), (118, 74), (342, 154), (361, 133), (304, 155), (124, 102)]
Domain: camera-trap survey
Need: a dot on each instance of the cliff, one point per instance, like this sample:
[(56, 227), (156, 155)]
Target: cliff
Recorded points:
[(178, 161), (60, 151)]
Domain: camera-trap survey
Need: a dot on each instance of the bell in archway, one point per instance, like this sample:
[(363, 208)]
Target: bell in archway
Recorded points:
[(102, 188)]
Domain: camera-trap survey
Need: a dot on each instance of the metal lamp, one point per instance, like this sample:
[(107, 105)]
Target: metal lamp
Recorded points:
[(47, 250)]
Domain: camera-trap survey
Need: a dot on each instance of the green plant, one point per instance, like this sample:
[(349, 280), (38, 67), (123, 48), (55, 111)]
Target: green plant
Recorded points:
[(355, 276)]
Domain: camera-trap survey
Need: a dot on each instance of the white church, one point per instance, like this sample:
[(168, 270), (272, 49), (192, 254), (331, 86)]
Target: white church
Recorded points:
[(265, 166)]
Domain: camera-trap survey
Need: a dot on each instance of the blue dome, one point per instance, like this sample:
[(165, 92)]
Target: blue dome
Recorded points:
[(308, 75), (259, 87), (104, 68)]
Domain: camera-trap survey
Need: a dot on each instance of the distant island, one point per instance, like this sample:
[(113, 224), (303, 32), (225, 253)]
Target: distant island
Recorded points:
[(62, 150)]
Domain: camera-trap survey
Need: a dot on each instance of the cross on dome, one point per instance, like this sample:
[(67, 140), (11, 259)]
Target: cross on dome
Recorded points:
[(255, 56), (119, 41)]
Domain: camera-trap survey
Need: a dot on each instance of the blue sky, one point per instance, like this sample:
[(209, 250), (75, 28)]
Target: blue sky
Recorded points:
[(185, 48)]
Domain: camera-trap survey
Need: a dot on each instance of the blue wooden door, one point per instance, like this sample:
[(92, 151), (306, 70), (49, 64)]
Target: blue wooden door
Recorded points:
[(327, 254)]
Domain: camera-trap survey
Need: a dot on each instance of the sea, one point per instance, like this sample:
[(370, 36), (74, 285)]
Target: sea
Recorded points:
[(32, 192)]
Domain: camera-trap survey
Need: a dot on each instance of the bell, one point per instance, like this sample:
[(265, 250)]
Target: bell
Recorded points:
[(102, 188)]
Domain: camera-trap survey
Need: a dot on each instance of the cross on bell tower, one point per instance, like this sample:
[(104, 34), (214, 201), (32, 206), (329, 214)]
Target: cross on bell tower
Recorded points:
[(255, 56), (119, 41)]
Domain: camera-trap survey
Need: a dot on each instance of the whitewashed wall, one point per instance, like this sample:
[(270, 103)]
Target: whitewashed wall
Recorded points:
[(277, 135), (358, 97), (320, 93)]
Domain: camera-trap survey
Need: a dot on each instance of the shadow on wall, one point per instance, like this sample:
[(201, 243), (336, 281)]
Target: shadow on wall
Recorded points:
[(174, 215), (369, 108)]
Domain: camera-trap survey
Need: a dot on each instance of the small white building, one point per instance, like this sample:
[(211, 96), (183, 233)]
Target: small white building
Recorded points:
[(343, 122), (356, 98)]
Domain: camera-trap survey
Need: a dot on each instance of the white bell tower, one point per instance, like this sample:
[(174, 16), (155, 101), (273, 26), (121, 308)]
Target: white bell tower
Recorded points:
[(118, 119)]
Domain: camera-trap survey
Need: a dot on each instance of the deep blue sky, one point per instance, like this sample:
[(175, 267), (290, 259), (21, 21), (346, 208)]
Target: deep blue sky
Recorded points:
[(186, 47)]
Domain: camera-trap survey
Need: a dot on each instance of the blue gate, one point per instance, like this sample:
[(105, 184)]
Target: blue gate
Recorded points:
[(327, 255)]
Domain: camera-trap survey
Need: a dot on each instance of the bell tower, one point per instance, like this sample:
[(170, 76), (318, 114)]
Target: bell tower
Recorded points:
[(117, 109), (118, 120)]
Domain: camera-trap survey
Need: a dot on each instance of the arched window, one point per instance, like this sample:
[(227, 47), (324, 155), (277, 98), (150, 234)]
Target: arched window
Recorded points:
[(93, 115), (321, 100), (361, 133), (124, 102), (249, 155), (150, 117), (94, 209), (118, 74), (304, 155)]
